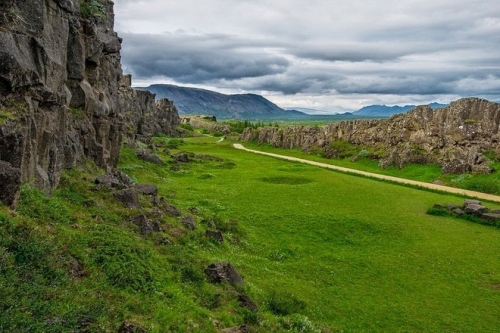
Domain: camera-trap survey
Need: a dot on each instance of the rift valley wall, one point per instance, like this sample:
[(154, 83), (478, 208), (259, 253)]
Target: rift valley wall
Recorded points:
[(456, 137), (63, 97)]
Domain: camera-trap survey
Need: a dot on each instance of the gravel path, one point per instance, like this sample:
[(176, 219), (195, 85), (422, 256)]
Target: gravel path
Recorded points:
[(454, 190)]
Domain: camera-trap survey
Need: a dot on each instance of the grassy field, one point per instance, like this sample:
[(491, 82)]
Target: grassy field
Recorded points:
[(318, 250), (362, 254)]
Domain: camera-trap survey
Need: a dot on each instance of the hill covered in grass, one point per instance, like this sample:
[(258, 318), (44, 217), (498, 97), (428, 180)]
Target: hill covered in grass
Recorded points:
[(316, 253)]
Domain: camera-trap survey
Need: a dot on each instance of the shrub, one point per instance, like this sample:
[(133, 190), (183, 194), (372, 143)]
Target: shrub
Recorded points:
[(187, 126), (283, 303), (89, 8), (340, 149), (482, 185)]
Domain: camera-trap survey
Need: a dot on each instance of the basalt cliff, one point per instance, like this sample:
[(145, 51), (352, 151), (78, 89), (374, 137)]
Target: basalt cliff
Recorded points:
[(458, 137), (63, 97)]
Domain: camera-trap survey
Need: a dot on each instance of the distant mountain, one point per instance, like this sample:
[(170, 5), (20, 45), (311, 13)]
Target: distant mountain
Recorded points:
[(200, 101), (387, 111), (312, 111)]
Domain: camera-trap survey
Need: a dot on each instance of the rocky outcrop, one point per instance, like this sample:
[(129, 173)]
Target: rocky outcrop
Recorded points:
[(63, 98), (143, 115), (456, 137)]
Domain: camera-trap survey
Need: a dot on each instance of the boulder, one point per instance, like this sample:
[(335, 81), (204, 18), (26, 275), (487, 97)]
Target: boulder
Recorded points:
[(456, 167), (10, 184), (491, 218), (215, 235), (149, 157), (471, 202), (223, 271), (128, 327), (128, 197), (145, 225), (477, 210), (114, 180), (247, 303), (181, 157), (236, 329), (189, 223), (146, 189), (172, 211)]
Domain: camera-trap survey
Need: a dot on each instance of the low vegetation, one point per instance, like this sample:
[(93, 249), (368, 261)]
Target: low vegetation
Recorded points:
[(319, 251)]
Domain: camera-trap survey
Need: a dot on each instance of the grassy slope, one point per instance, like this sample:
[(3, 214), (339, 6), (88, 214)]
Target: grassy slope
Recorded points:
[(360, 254)]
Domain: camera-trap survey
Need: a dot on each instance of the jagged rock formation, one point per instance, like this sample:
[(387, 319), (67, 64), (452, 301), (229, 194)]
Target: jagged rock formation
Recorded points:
[(143, 115), (456, 137), (63, 97)]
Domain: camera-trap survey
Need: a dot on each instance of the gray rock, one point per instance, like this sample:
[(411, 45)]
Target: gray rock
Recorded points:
[(475, 209), (181, 157), (114, 180), (149, 157), (236, 329), (189, 222), (247, 303), (223, 272), (145, 225), (471, 202), (215, 235), (491, 218), (146, 189), (128, 197), (10, 184), (458, 211), (128, 327)]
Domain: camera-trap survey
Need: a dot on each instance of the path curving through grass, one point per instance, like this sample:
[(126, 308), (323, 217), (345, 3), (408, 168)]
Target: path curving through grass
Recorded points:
[(467, 193)]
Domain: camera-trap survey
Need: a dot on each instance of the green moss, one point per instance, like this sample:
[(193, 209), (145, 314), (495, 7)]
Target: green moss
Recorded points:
[(90, 8), (472, 121)]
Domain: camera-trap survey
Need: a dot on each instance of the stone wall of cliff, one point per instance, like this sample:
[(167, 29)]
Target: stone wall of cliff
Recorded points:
[(63, 98), (456, 137)]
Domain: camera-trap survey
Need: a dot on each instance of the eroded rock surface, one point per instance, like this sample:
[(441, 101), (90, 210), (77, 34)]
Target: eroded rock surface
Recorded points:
[(63, 97), (455, 137)]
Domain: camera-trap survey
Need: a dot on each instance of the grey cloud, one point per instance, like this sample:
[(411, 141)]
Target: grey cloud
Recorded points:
[(322, 48), (198, 58)]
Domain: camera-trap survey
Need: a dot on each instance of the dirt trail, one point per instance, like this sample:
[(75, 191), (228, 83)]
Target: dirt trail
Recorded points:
[(467, 193)]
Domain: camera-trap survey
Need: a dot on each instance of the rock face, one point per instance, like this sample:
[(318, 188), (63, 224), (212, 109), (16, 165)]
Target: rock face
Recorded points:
[(63, 98), (456, 137)]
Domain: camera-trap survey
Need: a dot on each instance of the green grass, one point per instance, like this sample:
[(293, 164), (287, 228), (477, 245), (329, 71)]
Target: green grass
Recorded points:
[(317, 249)]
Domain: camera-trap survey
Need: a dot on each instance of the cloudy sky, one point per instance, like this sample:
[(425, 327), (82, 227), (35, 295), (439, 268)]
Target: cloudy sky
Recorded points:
[(331, 55)]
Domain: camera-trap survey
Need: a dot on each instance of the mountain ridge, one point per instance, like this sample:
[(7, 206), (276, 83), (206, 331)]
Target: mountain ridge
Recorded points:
[(196, 101), (387, 111)]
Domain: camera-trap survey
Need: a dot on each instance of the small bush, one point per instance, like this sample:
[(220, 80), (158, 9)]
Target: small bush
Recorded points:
[(187, 126), (438, 211), (285, 303), (340, 149), (482, 185), (174, 143), (89, 8)]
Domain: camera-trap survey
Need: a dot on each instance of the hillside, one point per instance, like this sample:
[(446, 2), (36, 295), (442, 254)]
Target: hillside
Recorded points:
[(461, 138), (205, 102), (387, 111)]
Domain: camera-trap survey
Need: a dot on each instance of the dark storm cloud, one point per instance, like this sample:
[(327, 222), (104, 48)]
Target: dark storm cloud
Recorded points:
[(198, 58)]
